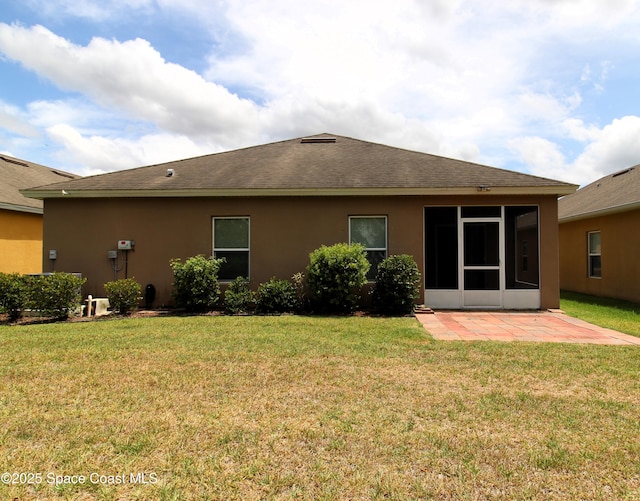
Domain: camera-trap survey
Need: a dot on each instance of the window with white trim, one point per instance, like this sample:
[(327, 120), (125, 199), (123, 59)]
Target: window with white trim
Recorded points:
[(371, 232), (231, 242), (595, 255)]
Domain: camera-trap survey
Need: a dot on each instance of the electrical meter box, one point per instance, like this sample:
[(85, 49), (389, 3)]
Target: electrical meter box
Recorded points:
[(53, 254), (112, 254), (125, 244)]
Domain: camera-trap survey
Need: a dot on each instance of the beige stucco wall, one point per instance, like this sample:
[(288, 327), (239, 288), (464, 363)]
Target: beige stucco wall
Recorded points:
[(620, 244), (20, 242), (284, 230)]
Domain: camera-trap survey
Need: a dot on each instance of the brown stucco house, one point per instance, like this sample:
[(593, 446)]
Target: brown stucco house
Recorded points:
[(482, 237), (600, 237), (21, 217)]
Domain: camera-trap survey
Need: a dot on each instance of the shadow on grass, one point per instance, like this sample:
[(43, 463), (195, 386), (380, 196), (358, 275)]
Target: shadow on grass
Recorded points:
[(607, 302)]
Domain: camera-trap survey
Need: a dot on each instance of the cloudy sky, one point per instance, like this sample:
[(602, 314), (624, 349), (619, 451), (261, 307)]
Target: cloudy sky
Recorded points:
[(548, 87)]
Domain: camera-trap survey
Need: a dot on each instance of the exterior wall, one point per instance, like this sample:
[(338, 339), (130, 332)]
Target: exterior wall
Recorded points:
[(20, 242), (620, 244), (283, 231)]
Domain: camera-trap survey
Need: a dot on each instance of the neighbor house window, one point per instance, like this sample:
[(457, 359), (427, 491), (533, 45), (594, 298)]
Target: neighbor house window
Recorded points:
[(371, 232), (595, 258), (231, 242)]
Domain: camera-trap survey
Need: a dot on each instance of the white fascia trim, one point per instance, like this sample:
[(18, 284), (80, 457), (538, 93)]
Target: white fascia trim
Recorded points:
[(21, 208), (601, 212), (297, 192)]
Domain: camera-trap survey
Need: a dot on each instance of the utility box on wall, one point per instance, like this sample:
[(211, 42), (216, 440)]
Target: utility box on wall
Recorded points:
[(125, 244)]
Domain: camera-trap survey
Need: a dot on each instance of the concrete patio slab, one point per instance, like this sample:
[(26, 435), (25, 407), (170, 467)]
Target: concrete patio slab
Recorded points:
[(544, 326)]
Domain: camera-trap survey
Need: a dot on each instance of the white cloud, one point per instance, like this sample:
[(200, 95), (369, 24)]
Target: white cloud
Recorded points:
[(468, 79), (15, 121), (543, 157), (608, 149), (134, 78), (95, 10), (107, 154), (612, 148), (576, 129), (580, 14)]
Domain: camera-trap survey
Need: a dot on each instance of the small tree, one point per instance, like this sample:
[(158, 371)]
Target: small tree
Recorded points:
[(124, 295), (397, 285), (335, 276), (238, 297), (276, 296), (13, 295), (196, 287)]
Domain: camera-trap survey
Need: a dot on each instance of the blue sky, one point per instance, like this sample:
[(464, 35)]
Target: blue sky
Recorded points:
[(545, 87)]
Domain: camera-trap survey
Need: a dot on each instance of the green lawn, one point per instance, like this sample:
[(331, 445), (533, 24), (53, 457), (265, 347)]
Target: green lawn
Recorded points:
[(616, 314), (296, 407)]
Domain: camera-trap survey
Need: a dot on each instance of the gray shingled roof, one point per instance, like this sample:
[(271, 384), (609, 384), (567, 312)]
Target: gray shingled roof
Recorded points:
[(317, 164), (17, 174), (613, 193)]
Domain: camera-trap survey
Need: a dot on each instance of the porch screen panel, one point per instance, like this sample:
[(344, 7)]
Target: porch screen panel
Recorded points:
[(441, 248), (481, 247), (522, 262)]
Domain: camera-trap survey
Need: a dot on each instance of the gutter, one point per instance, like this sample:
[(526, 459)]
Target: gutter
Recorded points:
[(601, 212), (480, 191), (21, 208)]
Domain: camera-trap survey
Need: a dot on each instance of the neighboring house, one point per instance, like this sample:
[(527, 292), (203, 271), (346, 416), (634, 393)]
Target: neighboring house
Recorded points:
[(482, 237), (21, 217), (600, 237)]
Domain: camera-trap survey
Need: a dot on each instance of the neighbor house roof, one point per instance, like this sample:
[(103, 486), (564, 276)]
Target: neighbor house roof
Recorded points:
[(16, 174), (323, 164), (616, 192)]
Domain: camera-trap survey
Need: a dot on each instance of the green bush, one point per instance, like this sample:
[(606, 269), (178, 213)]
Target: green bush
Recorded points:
[(397, 285), (196, 287), (124, 295), (238, 298), (13, 295), (276, 296), (55, 295), (335, 276)]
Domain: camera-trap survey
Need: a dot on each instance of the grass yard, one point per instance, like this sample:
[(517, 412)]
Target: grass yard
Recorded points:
[(615, 314), (295, 407)]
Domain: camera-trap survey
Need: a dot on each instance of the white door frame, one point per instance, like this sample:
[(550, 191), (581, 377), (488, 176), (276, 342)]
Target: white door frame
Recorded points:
[(481, 298)]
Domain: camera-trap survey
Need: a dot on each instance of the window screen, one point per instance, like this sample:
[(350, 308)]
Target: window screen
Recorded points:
[(595, 255), (371, 232), (231, 242)]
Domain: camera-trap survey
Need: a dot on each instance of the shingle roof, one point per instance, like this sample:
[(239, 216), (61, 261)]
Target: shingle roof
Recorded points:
[(17, 174), (318, 164), (613, 193)]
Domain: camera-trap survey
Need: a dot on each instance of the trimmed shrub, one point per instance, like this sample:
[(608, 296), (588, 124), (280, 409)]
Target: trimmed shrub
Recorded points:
[(397, 285), (276, 296), (196, 287), (238, 298), (336, 275), (124, 295), (13, 295), (55, 295)]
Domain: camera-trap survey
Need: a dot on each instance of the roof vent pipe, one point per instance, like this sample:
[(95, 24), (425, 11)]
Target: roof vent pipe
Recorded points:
[(170, 172)]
